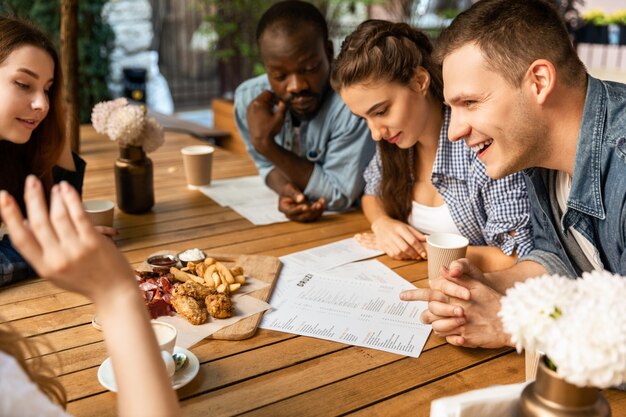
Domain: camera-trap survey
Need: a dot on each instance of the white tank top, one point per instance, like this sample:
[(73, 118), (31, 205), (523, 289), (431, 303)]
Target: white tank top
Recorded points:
[(563, 188), (429, 220)]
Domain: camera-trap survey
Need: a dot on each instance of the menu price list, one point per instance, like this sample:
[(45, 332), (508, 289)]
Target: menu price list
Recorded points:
[(368, 314)]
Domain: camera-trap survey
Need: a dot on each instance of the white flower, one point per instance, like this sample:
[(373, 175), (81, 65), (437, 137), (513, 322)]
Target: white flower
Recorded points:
[(101, 111), (152, 136), (528, 309), (585, 337), (127, 124)]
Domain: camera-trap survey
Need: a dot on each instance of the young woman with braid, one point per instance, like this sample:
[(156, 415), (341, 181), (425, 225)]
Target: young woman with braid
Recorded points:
[(418, 182)]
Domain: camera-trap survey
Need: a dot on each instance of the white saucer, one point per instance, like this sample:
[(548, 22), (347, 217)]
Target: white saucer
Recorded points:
[(179, 380)]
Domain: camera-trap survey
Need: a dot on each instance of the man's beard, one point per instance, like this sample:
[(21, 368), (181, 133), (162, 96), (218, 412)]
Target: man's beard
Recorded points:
[(308, 115)]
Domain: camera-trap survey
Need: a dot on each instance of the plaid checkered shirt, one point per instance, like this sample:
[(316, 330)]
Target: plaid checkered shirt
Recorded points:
[(484, 210)]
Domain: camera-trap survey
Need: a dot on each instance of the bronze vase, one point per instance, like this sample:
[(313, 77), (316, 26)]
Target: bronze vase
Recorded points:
[(551, 396), (134, 180)]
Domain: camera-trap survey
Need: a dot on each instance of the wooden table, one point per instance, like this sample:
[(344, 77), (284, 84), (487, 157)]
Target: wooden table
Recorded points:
[(272, 373)]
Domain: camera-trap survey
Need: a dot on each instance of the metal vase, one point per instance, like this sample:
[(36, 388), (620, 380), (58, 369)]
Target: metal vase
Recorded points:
[(134, 180), (551, 396)]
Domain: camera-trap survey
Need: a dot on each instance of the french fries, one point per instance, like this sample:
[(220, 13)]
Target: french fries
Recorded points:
[(212, 274)]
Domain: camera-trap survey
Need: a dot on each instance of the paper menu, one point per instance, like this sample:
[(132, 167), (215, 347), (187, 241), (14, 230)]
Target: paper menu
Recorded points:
[(329, 256), (371, 270), (362, 313)]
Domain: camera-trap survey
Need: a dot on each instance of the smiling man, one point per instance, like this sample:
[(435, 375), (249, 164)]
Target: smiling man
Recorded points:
[(306, 143), (521, 98)]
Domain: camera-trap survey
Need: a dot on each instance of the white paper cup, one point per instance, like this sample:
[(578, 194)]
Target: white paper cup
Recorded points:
[(100, 212), (198, 161), (165, 334), (443, 248)]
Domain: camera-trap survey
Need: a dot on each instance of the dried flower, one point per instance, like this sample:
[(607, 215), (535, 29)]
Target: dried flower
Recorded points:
[(579, 324), (152, 134), (101, 111), (127, 124)]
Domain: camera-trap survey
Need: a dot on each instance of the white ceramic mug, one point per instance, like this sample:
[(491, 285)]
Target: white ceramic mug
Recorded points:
[(165, 334), (100, 212)]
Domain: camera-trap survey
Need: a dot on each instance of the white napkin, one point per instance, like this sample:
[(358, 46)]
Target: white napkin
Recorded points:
[(496, 401)]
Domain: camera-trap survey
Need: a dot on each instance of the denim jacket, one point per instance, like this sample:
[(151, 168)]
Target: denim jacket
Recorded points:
[(597, 202), (334, 140)]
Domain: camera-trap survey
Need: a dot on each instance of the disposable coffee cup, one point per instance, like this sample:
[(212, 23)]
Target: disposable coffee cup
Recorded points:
[(165, 334), (443, 248), (100, 212), (198, 161)]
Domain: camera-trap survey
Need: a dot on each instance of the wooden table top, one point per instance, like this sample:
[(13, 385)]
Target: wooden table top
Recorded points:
[(271, 373)]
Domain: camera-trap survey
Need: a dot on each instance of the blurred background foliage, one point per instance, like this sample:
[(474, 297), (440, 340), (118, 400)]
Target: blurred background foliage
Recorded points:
[(95, 43), (234, 25)]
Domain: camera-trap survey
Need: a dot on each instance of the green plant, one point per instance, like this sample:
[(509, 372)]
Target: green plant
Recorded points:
[(448, 13), (95, 43), (596, 17), (235, 21), (619, 17)]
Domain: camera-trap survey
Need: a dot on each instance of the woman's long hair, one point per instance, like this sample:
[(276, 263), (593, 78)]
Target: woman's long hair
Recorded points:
[(381, 51), (39, 155), (13, 344)]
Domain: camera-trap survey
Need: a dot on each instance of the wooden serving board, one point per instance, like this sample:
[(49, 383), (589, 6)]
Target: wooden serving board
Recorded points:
[(264, 268)]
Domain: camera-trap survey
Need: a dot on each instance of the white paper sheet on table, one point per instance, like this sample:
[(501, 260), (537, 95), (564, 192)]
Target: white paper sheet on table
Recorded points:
[(329, 256), (250, 197), (238, 191), (261, 212), (348, 310), (189, 335), (371, 270)]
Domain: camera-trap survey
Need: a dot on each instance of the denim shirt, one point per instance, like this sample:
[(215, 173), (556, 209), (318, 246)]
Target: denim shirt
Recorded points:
[(337, 142), (596, 206)]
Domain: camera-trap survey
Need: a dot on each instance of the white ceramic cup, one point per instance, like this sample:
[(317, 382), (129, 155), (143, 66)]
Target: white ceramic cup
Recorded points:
[(100, 212), (165, 334), (198, 161), (443, 248)]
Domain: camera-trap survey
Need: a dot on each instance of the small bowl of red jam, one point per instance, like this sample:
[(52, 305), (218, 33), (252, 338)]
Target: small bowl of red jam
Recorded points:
[(162, 263)]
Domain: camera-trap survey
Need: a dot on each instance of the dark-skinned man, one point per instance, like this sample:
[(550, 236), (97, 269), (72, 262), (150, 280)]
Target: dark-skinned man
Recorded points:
[(306, 143)]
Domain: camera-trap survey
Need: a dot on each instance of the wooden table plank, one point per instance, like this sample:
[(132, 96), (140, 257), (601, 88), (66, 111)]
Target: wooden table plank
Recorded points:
[(271, 373)]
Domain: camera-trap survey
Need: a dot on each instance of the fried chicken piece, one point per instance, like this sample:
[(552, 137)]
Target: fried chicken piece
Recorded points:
[(192, 289), (219, 305), (190, 309)]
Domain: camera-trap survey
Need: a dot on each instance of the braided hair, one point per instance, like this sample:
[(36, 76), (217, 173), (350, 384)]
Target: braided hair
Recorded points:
[(376, 52)]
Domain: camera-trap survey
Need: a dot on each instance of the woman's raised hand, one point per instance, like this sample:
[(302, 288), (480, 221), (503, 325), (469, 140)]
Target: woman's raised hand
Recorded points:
[(62, 245)]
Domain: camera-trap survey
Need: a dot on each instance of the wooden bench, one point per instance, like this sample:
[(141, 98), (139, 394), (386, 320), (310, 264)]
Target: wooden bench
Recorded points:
[(224, 119), (176, 124)]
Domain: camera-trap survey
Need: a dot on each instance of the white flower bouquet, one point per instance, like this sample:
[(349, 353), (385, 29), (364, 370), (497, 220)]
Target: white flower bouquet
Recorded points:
[(580, 325), (127, 124)]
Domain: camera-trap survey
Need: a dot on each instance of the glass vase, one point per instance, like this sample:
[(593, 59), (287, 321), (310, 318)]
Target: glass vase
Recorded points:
[(552, 396), (134, 184)]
